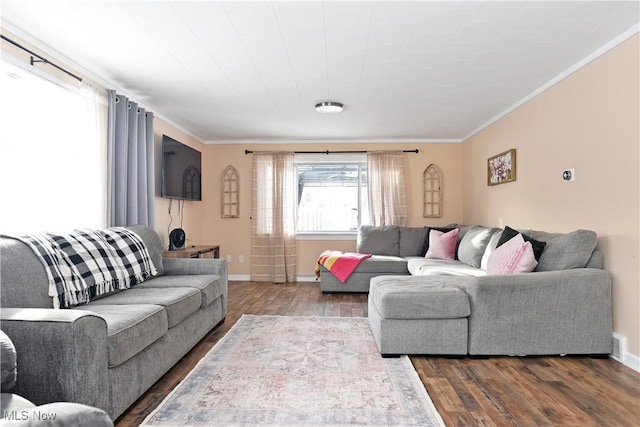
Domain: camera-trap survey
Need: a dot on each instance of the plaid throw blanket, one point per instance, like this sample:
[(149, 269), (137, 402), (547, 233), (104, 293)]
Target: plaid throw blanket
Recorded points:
[(84, 264), (132, 252)]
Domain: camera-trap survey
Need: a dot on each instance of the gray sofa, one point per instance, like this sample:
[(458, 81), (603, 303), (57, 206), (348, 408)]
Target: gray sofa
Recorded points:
[(452, 307), (108, 352)]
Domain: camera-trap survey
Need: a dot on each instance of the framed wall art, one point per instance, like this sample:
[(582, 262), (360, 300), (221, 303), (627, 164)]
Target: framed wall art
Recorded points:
[(501, 168)]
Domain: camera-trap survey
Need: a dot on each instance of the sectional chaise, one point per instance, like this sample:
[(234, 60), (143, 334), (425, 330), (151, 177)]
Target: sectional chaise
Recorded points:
[(420, 305)]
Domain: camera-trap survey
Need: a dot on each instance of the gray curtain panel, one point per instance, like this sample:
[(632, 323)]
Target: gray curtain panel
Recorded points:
[(130, 187)]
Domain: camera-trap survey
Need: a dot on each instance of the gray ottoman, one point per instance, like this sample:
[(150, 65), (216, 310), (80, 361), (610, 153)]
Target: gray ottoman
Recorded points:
[(419, 314)]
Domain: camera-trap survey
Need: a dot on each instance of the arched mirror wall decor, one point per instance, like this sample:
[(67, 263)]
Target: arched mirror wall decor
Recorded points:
[(230, 193), (432, 191), (191, 183)]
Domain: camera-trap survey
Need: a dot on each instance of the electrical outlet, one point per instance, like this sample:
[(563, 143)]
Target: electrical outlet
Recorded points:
[(569, 175), (229, 258), (241, 259)]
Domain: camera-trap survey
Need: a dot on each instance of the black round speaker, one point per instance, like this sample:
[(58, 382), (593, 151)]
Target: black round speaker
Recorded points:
[(176, 239)]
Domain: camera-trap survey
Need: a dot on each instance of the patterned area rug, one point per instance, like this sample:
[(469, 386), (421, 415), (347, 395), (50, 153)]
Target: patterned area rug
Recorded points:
[(298, 371)]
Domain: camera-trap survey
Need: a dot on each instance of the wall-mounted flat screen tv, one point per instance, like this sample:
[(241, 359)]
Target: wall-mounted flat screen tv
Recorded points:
[(181, 170)]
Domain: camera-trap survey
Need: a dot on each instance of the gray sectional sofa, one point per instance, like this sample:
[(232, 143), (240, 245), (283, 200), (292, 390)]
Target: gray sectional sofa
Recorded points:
[(108, 352), (452, 307)]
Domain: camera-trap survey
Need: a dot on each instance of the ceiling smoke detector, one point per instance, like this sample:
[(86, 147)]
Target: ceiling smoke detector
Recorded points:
[(329, 107)]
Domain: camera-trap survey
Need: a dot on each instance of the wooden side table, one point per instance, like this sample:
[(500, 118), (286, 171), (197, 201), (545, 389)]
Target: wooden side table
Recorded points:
[(211, 251)]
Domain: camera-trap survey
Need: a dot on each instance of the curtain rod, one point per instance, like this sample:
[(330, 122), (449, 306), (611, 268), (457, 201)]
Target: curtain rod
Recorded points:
[(40, 58), (335, 152)]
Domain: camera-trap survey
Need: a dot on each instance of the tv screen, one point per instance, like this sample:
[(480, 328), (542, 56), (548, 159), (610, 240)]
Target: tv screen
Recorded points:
[(181, 170)]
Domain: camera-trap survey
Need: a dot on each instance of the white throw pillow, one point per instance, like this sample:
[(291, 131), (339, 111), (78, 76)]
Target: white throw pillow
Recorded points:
[(493, 243)]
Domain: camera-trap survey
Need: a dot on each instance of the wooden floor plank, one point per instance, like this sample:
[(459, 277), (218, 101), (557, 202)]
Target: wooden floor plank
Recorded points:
[(499, 391)]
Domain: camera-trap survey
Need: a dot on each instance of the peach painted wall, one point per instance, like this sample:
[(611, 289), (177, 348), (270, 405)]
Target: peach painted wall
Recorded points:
[(588, 121), (192, 210), (234, 235)]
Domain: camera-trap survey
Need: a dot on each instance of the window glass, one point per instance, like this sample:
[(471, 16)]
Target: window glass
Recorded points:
[(50, 162), (332, 197)]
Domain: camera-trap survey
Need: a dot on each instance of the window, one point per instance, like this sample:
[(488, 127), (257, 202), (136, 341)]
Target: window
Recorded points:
[(332, 196), (51, 166)]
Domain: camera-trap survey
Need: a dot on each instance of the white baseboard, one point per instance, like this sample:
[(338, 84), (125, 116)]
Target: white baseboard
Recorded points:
[(631, 361), (307, 278)]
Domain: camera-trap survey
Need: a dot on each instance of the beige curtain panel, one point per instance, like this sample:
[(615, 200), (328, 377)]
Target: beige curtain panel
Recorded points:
[(273, 225), (386, 188)]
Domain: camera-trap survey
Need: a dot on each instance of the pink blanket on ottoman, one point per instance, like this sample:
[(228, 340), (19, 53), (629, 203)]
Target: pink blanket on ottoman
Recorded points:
[(340, 264)]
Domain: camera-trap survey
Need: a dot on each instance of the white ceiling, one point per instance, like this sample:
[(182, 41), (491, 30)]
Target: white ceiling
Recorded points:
[(405, 70)]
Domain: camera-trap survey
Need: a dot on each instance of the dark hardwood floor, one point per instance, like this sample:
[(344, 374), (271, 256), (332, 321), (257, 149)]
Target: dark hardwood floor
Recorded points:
[(499, 391)]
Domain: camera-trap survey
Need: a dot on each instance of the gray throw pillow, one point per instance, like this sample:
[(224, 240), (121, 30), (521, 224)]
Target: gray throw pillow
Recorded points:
[(379, 240), (413, 241), (154, 246), (473, 245), (565, 251), (8, 363)]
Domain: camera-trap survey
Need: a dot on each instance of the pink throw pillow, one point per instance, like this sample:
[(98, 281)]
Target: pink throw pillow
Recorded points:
[(515, 256), (442, 245)]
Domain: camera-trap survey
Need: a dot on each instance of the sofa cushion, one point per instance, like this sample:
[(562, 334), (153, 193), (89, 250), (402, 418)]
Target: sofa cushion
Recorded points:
[(130, 327), (508, 233), (420, 266), (8, 363), (413, 241), (442, 245), (379, 240), (515, 256), (410, 297), (179, 303), (153, 243), (210, 286), (565, 251), (473, 245)]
